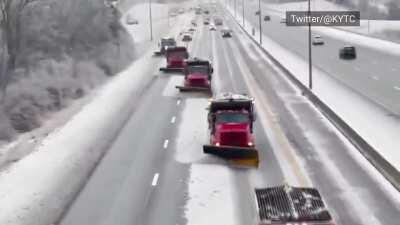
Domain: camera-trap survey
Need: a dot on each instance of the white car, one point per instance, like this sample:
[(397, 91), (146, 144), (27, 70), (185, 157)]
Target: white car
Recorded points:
[(131, 21), (317, 40), (212, 27)]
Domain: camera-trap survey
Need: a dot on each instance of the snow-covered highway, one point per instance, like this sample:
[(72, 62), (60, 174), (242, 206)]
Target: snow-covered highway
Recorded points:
[(153, 170)]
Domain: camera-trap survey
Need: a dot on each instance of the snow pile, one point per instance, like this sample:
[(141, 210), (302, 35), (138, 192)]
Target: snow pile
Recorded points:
[(192, 133), (211, 194)]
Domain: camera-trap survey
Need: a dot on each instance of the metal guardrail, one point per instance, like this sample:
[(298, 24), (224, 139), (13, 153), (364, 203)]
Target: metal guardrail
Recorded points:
[(369, 152)]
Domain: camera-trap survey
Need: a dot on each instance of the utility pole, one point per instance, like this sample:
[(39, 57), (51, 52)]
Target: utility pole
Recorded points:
[(235, 6), (243, 12), (151, 22), (310, 81), (259, 20)]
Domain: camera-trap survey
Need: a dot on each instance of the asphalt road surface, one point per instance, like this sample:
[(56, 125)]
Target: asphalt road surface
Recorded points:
[(140, 182), (374, 74)]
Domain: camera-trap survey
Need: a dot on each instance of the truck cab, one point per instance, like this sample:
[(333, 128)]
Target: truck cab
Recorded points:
[(175, 57), (232, 128), (230, 120), (198, 73)]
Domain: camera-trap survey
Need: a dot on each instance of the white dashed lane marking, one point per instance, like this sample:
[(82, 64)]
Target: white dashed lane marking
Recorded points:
[(173, 119), (155, 179), (166, 143)]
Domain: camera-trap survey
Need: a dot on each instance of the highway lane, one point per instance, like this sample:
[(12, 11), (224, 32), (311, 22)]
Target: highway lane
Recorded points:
[(373, 74), (321, 173), (140, 181)]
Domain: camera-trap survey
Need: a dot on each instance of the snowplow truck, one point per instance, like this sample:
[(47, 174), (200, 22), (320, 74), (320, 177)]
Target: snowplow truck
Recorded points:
[(285, 205), (197, 76), (163, 44), (175, 57), (230, 120)]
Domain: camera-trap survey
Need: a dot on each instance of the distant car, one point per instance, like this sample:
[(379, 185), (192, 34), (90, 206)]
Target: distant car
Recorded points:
[(187, 37), (206, 12), (267, 18), (283, 20), (212, 27), (131, 21), (348, 52), (317, 40), (191, 29), (226, 33), (206, 22), (194, 23), (257, 12), (218, 21)]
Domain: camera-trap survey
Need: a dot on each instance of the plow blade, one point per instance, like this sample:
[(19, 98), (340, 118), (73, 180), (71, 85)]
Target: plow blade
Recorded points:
[(239, 155), (188, 89), (171, 70)]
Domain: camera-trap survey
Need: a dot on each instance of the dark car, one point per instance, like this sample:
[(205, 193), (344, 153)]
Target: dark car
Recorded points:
[(267, 18), (348, 52), (226, 33)]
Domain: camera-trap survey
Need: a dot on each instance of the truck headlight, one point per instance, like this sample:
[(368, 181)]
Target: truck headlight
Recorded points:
[(250, 143), (217, 144)]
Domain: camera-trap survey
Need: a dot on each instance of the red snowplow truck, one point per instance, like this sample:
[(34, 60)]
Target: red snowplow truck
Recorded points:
[(285, 205), (197, 76), (175, 57), (230, 120)]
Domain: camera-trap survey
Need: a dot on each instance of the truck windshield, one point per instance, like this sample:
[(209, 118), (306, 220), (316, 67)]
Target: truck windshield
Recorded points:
[(232, 118), (168, 43), (197, 69), (177, 54)]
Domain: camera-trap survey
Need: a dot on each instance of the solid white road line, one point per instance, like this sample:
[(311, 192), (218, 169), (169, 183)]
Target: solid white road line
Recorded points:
[(173, 119), (178, 102), (155, 179), (166, 143)]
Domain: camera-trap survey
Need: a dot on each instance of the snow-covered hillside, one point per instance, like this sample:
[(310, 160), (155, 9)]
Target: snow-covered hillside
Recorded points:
[(67, 48)]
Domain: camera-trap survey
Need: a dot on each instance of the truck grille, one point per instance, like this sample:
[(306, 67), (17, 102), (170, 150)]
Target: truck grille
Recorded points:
[(197, 82), (234, 138)]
